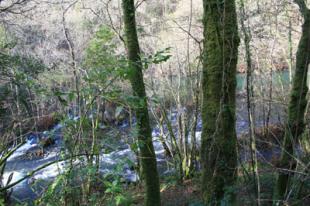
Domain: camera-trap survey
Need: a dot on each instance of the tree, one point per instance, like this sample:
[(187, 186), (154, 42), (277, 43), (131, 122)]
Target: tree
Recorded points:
[(219, 157), (250, 98), (147, 153), (296, 109)]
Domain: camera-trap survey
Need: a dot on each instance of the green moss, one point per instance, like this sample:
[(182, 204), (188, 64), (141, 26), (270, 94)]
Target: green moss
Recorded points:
[(219, 158), (296, 110), (147, 153)]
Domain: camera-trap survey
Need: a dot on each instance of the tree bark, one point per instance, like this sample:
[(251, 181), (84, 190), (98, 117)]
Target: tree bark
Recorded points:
[(219, 156), (296, 109), (250, 100), (147, 153)]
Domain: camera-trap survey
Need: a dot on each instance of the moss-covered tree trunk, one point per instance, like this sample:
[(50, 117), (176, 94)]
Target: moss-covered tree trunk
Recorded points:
[(147, 153), (219, 157), (296, 109)]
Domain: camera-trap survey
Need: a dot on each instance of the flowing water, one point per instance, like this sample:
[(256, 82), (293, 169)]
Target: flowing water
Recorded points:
[(20, 165)]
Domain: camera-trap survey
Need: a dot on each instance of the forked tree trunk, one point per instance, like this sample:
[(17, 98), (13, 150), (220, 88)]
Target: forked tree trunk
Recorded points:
[(296, 110), (219, 156), (147, 153)]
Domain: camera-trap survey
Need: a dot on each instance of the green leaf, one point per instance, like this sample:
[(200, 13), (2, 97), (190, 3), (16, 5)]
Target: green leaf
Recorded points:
[(120, 200)]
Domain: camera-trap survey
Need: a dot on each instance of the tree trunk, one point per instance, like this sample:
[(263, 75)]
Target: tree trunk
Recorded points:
[(147, 153), (250, 100), (296, 109), (219, 156)]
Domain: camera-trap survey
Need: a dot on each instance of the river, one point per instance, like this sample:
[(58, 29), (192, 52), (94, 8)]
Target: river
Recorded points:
[(20, 166)]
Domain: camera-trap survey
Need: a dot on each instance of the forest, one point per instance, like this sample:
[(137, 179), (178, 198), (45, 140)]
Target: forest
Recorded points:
[(154, 102)]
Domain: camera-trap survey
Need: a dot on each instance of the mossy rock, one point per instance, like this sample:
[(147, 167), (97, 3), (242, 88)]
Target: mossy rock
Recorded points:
[(46, 141)]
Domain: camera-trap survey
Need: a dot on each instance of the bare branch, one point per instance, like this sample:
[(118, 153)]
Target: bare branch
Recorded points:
[(199, 42), (118, 32), (139, 3)]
